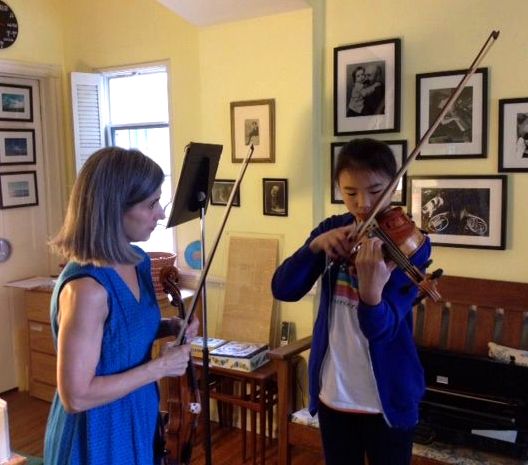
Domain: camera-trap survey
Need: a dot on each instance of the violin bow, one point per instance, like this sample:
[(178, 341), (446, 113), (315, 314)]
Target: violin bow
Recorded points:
[(207, 265), (412, 156)]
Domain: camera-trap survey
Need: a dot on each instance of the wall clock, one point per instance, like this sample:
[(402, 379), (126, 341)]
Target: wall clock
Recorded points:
[(8, 26)]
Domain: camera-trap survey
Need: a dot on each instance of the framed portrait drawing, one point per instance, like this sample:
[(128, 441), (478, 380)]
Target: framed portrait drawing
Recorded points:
[(18, 189), (222, 190), (17, 146), (462, 132), (275, 196), (253, 122), (399, 149), (16, 102), (367, 87), (461, 211), (513, 135)]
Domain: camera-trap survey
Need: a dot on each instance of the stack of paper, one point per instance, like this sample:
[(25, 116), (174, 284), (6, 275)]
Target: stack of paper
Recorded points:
[(5, 451)]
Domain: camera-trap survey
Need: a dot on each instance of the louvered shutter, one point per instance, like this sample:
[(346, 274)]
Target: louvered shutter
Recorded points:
[(88, 125)]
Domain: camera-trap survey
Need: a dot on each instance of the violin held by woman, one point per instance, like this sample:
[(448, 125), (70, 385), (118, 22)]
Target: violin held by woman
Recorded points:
[(365, 378)]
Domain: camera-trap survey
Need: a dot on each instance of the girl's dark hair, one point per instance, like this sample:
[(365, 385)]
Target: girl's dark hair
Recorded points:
[(365, 155), (111, 181)]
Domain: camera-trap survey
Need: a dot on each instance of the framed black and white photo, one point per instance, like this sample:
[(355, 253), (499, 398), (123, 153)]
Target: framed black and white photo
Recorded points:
[(275, 196), (461, 211), (513, 135), (462, 132), (399, 149), (222, 190), (17, 146), (16, 102), (18, 189), (367, 87), (253, 122)]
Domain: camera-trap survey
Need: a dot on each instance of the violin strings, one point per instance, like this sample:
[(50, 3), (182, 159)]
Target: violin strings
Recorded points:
[(398, 256)]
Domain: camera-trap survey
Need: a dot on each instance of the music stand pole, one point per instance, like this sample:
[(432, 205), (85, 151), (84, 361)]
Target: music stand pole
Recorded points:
[(205, 351)]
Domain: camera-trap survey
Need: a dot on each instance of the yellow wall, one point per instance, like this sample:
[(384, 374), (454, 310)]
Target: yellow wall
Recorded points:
[(251, 60), (39, 32), (101, 34), (271, 57), (441, 36)]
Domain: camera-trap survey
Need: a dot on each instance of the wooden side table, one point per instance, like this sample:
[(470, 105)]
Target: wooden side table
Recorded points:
[(257, 393)]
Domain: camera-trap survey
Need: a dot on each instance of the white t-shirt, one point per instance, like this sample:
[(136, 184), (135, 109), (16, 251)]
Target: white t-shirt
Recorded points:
[(347, 376)]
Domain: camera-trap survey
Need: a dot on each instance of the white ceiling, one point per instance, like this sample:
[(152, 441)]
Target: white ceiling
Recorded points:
[(209, 12)]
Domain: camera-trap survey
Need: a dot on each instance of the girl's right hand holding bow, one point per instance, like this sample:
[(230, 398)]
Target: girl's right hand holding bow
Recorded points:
[(336, 244)]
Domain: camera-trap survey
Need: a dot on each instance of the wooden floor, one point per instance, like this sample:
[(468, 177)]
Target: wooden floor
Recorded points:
[(28, 416)]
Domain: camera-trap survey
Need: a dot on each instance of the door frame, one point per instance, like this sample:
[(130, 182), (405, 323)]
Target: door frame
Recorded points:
[(50, 78)]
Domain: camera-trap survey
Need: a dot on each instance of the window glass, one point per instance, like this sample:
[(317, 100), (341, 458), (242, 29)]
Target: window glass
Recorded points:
[(138, 98), (135, 102)]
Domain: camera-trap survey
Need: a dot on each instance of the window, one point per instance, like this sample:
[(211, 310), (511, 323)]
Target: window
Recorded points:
[(129, 109)]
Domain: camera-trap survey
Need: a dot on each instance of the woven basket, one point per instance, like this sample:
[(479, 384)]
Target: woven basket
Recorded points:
[(158, 261)]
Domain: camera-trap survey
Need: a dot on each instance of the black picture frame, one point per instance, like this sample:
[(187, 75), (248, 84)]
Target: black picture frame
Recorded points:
[(16, 102), (461, 211), (222, 190), (368, 104), (513, 135), (17, 146), (275, 196), (399, 149), (18, 189), (253, 122), (462, 133)]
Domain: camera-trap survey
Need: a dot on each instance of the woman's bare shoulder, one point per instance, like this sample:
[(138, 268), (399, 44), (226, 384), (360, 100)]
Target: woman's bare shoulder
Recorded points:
[(85, 291)]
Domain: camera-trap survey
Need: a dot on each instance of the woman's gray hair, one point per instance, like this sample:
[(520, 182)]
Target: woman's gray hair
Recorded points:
[(111, 181)]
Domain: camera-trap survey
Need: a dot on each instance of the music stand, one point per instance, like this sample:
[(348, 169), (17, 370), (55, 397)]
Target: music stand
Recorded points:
[(190, 202)]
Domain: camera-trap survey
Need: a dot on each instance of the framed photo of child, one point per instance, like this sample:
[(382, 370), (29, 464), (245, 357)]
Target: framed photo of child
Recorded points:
[(367, 87)]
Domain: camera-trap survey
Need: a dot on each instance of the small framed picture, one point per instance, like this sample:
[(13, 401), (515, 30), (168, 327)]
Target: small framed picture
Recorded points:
[(367, 87), (399, 149), (513, 135), (462, 133), (17, 146), (18, 189), (253, 123), (461, 211), (275, 196), (16, 102), (222, 190)]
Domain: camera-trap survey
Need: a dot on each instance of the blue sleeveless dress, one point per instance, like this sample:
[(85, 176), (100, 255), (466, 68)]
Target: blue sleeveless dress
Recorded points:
[(124, 431)]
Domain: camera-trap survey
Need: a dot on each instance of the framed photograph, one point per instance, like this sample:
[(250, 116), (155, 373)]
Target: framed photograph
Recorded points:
[(462, 133), (16, 102), (461, 211), (513, 135), (253, 122), (17, 146), (399, 149), (222, 190), (367, 87), (275, 196), (18, 189)]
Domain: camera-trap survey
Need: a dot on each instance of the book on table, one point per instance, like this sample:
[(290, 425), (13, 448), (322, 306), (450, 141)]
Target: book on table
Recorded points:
[(242, 356), (197, 345)]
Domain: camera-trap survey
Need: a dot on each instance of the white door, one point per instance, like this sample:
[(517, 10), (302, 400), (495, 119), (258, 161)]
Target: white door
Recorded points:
[(24, 226)]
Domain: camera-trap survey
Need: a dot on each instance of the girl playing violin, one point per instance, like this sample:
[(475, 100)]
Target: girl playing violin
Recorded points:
[(365, 378), (105, 317)]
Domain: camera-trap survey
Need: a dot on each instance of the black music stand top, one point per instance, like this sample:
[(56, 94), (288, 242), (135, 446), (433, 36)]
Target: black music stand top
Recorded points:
[(196, 181)]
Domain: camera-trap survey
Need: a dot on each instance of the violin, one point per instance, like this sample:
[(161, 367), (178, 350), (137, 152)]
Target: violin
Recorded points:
[(401, 239), (184, 404)]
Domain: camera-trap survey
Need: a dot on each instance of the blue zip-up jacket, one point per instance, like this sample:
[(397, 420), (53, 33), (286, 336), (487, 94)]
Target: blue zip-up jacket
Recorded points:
[(388, 326)]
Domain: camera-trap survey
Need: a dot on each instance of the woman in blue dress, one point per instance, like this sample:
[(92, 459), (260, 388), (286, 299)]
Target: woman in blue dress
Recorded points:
[(105, 318)]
